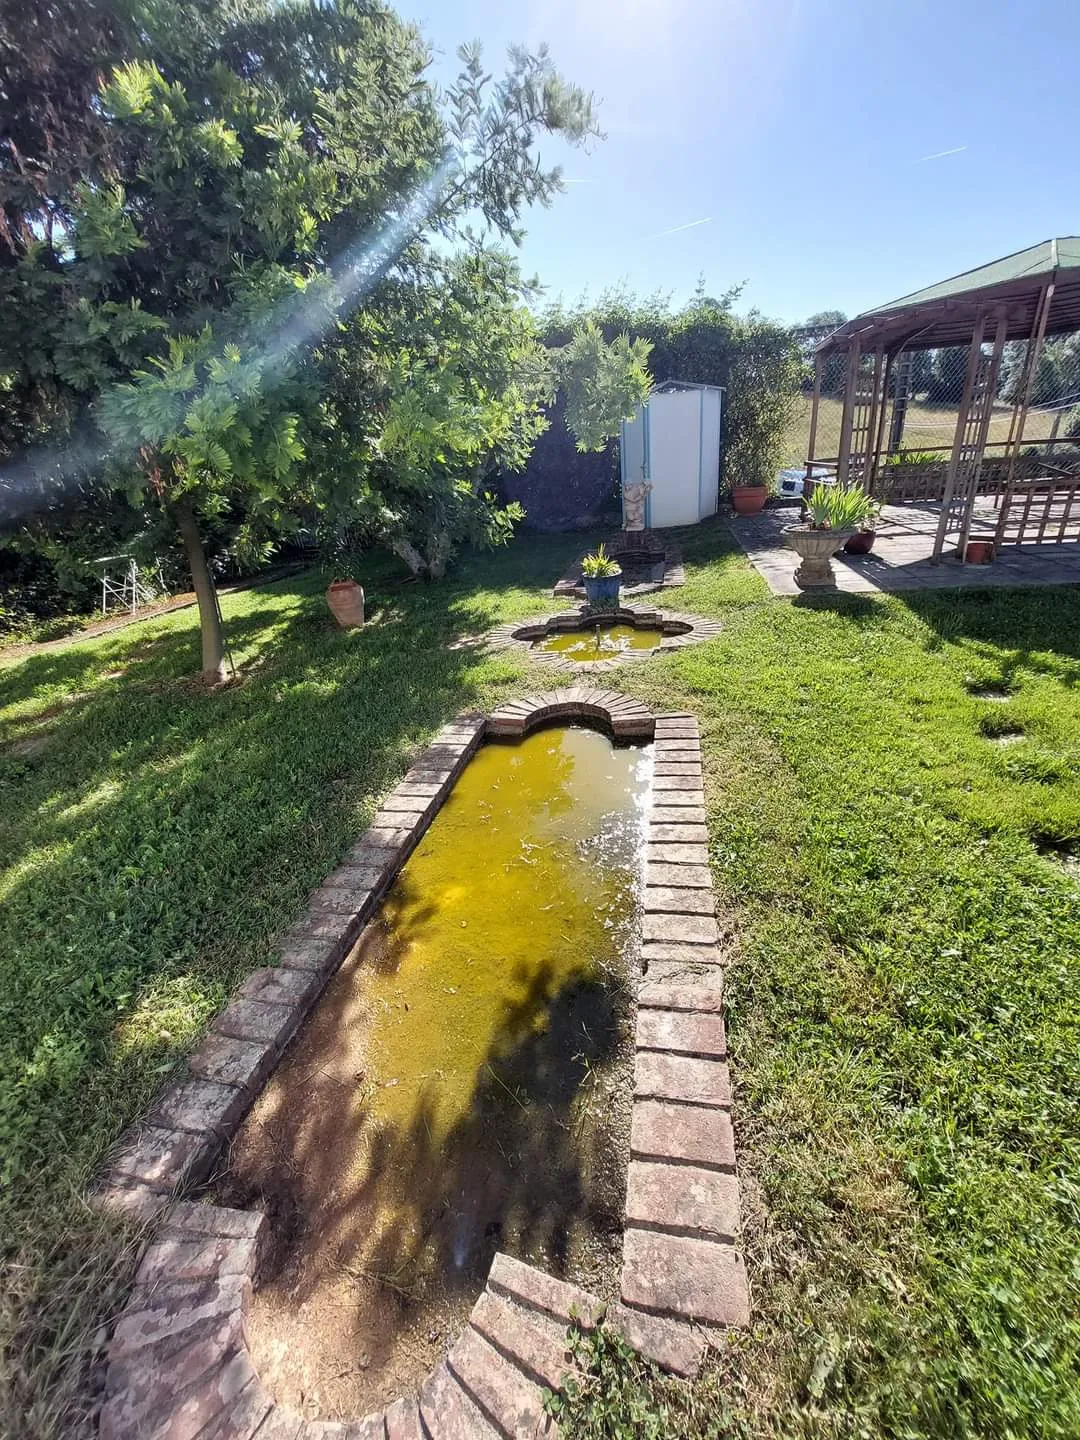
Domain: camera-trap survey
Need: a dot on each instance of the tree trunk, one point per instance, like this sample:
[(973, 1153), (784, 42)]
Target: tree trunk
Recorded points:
[(407, 551), (213, 641)]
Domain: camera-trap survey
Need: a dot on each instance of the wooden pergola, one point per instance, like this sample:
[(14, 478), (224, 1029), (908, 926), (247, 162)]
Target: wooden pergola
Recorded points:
[(1027, 296)]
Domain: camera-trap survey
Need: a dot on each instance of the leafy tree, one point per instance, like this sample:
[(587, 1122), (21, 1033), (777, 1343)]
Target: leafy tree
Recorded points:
[(600, 381), (759, 364), (1057, 374), (269, 166)]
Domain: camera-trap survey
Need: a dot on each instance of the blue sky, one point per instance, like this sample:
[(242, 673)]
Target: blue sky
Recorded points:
[(800, 131)]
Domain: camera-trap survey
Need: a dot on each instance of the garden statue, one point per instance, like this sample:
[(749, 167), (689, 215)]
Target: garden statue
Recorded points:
[(634, 505)]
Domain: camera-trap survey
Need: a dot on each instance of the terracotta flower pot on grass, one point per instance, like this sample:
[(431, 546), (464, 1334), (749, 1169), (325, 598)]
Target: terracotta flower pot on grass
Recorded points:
[(346, 601), (748, 499), (815, 549)]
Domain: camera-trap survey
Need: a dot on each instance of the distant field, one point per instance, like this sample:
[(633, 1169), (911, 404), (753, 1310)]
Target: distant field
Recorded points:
[(927, 426)]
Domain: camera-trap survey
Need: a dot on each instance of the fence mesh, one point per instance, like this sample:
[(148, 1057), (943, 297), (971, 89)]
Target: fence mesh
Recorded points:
[(924, 396)]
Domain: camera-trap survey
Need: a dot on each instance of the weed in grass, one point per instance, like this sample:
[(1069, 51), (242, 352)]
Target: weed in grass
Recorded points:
[(615, 1395)]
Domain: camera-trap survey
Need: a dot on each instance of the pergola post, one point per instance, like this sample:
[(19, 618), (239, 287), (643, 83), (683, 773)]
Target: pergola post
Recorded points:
[(962, 414), (974, 459), (900, 403), (851, 383), (811, 444), (877, 403), (874, 459), (1027, 385)]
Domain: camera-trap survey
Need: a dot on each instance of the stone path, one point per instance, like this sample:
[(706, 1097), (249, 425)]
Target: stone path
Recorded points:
[(178, 1366), (900, 559), (569, 583)]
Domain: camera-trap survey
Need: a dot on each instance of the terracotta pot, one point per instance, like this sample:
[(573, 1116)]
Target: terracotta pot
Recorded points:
[(748, 499), (815, 549), (861, 543), (346, 601), (979, 552)]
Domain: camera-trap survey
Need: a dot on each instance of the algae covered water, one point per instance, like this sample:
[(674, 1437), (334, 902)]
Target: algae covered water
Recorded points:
[(600, 642), (463, 1086)]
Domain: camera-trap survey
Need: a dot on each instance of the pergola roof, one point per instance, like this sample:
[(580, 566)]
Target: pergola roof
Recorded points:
[(945, 313)]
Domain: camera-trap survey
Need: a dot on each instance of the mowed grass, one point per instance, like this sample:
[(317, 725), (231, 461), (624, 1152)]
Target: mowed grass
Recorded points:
[(904, 1001), (927, 427), (154, 840)]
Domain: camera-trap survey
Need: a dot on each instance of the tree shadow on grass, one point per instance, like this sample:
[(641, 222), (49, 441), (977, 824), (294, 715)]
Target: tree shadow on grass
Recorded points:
[(377, 1227), (165, 833), (1008, 631)]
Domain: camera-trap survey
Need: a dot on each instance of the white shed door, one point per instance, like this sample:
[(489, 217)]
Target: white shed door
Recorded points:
[(674, 430)]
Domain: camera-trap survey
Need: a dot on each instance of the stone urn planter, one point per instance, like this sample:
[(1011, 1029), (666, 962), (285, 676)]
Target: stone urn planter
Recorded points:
[(346, 601), (748, 499), (815, 549)]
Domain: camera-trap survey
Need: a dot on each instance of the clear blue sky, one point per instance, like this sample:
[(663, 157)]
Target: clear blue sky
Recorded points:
[(798, 130)]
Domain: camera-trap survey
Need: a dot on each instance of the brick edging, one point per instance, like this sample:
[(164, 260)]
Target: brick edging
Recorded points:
[(178, 1364), (520, 634), (682, 1201)]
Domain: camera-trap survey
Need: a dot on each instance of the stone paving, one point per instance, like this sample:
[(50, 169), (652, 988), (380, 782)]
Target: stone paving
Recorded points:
[(669, 574), (900, 559), (178, 1365)]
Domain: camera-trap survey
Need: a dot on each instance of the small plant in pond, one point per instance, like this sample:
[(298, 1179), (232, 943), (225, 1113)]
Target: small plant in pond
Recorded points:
[(599, 565)]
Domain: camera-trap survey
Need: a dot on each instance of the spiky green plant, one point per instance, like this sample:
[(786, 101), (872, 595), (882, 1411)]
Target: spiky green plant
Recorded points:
[(840, 507)]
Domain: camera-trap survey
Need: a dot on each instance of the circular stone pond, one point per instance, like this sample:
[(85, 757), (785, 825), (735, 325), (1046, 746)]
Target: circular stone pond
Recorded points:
[(587, 645), (600, 640)]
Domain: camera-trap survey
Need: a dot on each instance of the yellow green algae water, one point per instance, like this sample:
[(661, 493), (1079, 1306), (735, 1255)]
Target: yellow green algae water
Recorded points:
[(463, 1085), (600, 642)]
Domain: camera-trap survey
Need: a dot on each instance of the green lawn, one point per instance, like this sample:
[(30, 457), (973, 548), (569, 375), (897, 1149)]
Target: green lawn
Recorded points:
[(904, 1008)]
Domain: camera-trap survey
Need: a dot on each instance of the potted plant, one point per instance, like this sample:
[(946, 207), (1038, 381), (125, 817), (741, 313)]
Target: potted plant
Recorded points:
[(862, 542), (601, 577), (748, 499), (834, 513), (341, 551)]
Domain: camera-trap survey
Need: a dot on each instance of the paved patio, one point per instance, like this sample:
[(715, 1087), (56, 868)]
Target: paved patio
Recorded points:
[(901, 555)]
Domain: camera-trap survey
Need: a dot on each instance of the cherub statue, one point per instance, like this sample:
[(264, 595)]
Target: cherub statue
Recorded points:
[(634, 505)]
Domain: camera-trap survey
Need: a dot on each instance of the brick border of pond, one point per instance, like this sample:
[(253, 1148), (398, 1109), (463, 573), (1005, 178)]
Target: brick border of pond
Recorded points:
[(177, 1362), (521, 634)]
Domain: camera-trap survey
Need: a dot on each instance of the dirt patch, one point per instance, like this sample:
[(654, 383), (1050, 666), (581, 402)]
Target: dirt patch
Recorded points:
[(463, 1086)]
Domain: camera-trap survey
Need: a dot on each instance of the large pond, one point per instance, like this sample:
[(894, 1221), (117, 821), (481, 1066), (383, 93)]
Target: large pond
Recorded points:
[(600, 642), (464, 1084)]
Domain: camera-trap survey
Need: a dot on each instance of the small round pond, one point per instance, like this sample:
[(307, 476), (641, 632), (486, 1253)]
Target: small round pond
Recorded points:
[(464, 1084), (604, 639), (599, 642)]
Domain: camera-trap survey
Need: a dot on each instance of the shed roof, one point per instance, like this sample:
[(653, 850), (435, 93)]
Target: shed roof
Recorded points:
[(945, 313)]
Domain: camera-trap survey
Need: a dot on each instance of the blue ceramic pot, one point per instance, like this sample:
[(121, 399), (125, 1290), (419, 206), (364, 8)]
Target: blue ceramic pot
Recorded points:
[(602, 591)]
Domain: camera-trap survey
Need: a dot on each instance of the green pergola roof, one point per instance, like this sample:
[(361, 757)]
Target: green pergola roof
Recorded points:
[(945, 313)]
